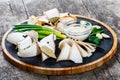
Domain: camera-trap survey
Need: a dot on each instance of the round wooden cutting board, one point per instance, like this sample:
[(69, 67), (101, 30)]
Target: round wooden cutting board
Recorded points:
[(51, 67)]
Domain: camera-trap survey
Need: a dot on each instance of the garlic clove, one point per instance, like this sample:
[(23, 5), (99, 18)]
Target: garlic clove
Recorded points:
[(98, 35), (96, 26), (105, 35)]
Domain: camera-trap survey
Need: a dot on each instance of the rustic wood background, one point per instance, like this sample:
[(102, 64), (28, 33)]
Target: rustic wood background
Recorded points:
[(14, 11)]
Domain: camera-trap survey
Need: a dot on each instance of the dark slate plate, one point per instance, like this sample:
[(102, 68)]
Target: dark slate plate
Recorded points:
[(105, 45)]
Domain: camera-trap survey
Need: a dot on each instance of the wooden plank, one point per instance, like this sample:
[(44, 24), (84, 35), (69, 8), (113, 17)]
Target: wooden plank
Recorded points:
[(83, 76), (40, 6), (5, 16), (104, 11), (18, 10), (12, 12)]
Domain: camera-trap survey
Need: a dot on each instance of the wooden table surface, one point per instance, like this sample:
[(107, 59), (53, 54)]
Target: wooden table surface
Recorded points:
[(14, 11)]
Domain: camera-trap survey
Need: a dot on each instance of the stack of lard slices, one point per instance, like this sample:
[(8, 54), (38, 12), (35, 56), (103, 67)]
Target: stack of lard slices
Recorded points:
[(75, 50), (26, 42), (53, 18), (28, 45)]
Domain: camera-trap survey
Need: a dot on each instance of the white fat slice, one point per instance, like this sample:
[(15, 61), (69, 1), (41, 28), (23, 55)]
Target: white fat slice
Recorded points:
[(48, 41), (68, 20), (33, 34), (16, 37), (68, 41), (60, 26), (91, 47), (52, 13), (83, 52), (25, 43), (88, 50), (32, 20), (47, 45), (43, 18), (64, 14), (75, 55), (86, 47), (44, 56), (30, 51), (64, 54)]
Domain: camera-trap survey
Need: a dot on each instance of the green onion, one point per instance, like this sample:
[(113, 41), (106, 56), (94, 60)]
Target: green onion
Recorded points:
[(43, 31), (34, 27)]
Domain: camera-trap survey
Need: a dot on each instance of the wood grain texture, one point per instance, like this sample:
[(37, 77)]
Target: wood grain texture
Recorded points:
[(63, 71), (108, 11)]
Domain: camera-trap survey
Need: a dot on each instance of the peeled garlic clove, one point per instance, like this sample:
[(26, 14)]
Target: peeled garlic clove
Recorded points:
[(16, 37), (96, 26), (105, 35), (99, 36)]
